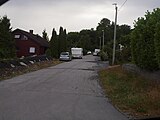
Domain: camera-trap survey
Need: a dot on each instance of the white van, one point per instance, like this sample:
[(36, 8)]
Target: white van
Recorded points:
[(77, 52)]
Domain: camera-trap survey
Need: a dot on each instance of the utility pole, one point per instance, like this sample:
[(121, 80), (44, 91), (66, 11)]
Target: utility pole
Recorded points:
[(103, 40), (115, 30)]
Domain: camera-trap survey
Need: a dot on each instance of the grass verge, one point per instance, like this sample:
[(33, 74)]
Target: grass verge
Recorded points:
[(131, 93), (6, 73)]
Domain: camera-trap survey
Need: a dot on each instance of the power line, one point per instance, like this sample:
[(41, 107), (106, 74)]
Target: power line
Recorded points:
[(123, 4)]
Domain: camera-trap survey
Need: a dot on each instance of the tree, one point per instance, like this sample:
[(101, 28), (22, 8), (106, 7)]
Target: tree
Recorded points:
[(60, 41), (104, 23), (144, 41), (44, 35), (65, 39), (105, 26), (72, 39), (53, 49), (122, 30), (7, 43), (157, 42)]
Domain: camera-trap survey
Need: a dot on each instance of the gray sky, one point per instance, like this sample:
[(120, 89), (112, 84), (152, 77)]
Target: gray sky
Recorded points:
[(74, 15)]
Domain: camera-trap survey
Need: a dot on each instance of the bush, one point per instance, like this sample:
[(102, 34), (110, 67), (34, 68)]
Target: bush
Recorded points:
[(157, 43), (103, 56), (145, 48)]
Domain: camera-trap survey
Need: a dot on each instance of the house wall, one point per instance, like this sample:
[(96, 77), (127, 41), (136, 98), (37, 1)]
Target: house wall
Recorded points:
[(25, 47)]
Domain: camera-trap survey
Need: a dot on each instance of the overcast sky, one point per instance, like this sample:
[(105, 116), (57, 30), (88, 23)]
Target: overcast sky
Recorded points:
[(74, 15)]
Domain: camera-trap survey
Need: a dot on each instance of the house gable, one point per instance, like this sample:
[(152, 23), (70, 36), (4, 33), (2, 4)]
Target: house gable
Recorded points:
[(28, 44)]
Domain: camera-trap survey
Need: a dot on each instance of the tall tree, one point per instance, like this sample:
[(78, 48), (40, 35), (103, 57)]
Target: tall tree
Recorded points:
[(104, 23), (65, 39), (44, 35), (60, 41), (7, 44), (54, 44), (62, 38), (53, 48), (157, 42), (105, 26)]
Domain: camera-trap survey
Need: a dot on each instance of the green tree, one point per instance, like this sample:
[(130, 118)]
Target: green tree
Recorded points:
[(123, 44), (72, 39), (143, 41), (7, 43), (65, 39), (104, 23), (53, 49), (106, 26), (157, 42), (60, 41), (44, 35), (122, 30)]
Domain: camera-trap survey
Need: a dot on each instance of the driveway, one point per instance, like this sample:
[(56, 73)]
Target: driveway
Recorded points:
[(68, 91)]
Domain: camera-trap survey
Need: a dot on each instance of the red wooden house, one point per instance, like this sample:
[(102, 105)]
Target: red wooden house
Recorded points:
[(28, 44)]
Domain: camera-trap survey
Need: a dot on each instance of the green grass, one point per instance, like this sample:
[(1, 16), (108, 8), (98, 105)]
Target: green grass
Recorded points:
[(131, 93)]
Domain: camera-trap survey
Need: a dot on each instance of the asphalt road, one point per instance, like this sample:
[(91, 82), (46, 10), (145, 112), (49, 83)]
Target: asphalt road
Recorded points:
[(68, 91)]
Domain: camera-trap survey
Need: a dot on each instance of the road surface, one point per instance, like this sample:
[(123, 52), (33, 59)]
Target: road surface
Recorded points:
[(68, 91)]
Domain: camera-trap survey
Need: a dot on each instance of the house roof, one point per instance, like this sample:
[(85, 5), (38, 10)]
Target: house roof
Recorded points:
[(38, 39), (2, 2)]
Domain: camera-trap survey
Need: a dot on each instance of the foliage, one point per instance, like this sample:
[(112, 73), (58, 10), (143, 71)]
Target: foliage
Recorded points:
[(144, 41), (108, 28), (90, 40), (62, 41), (86, 39), (157, 42), (104, 56), (72, 39), (124, 49), (7, 44), (58, 43), (44, 35), (122, 39), (53, 50)]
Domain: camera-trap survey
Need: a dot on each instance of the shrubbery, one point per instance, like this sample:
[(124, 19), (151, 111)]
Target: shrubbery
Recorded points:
[(145, 41), (104, 56)]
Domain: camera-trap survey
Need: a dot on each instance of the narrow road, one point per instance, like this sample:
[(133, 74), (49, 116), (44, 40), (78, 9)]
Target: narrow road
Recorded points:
[(68, 91)]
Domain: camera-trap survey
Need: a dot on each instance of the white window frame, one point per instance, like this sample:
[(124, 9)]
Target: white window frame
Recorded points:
[(17, 36), (32, 50)]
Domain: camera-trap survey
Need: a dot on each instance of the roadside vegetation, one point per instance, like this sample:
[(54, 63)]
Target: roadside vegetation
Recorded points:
[(145, 41), (131, 93)]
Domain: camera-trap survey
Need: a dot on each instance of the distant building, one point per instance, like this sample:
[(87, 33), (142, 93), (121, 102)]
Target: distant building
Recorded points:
[(28, 44)]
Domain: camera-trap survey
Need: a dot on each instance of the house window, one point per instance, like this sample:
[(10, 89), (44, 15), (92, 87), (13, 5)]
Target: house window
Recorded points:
[(16, 36), (25, 37), (32, 50)]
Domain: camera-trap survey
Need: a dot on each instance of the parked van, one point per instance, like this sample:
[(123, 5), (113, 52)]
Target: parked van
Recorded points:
[(96, 52), (77, 52)]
